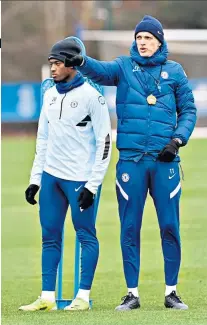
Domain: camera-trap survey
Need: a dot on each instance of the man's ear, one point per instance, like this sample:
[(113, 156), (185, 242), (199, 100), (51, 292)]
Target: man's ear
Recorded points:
[(70, 69)]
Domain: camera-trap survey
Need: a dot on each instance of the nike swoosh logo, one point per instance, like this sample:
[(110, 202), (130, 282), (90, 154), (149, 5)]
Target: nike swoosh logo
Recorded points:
[(172, 176), (77, 189)]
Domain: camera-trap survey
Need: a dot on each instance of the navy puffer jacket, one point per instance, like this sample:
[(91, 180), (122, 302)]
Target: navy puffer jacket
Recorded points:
[(144, 128)]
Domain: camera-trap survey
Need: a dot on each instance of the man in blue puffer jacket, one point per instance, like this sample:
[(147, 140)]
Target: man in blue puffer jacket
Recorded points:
[(156, 115)]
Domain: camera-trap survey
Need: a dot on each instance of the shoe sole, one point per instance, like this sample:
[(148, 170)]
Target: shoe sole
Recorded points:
[(89, 308), (24, 310), (76, 310), (128, 309), (177, 308)]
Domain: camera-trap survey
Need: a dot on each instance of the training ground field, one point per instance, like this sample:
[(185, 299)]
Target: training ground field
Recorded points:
[(21, 249)]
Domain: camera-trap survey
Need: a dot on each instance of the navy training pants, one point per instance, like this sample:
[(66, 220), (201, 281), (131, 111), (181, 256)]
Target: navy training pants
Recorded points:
[(134, 179), (55, 196)]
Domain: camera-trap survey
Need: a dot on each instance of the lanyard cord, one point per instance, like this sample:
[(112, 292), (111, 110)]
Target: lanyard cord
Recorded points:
[(157, 81)]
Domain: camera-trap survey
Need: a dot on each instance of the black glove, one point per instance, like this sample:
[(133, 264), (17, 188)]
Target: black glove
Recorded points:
[(169, 152), (85, 199), (30, 193), (72, 60)]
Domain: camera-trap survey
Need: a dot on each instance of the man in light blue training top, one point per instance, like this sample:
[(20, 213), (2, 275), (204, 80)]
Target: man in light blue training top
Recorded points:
[(156, 116), (72, 156)]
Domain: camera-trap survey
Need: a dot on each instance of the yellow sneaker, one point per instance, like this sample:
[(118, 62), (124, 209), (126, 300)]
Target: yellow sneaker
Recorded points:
[(78, 304), (40, 304)]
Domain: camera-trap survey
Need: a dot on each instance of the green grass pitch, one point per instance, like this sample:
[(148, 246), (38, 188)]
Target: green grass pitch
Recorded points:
[(21, 249)]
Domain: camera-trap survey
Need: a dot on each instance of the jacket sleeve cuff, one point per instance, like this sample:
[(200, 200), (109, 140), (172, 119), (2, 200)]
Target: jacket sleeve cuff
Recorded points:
[(90, 188), (35, 181), (179, 136)]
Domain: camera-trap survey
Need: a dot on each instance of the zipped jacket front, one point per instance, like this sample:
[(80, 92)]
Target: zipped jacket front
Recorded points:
[(74, 137)]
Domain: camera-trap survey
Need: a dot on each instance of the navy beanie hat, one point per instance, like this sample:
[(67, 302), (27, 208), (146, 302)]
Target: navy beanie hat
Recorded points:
[(151, 25), (66, 45)]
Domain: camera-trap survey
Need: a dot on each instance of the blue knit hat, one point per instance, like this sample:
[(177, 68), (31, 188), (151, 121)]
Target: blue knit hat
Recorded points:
[(151, 25)]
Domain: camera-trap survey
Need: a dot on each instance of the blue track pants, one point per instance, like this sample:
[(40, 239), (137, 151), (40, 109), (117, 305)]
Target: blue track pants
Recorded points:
[(55, 196), (134, 179)]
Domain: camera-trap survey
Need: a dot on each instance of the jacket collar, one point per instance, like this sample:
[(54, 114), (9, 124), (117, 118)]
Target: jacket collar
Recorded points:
[(158, 58), (64, 87)]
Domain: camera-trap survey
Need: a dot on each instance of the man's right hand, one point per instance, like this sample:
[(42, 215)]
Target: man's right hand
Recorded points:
[(72, 60), (30, 193)]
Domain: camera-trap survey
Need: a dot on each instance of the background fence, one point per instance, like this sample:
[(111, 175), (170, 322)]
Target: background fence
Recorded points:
[(21, 102)]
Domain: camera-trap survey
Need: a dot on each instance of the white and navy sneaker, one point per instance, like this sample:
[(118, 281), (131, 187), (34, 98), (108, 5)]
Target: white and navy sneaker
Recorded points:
[(174, 301), (129, 302)]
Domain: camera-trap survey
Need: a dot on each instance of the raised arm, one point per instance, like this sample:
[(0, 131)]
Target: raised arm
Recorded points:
[(101, 72)]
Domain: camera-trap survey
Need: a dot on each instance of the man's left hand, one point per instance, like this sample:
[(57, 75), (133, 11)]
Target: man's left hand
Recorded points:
[(169, 152), (85, 199), (72, 60)]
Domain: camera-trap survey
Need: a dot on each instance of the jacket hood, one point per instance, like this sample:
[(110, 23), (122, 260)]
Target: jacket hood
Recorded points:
[(158, 58)]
